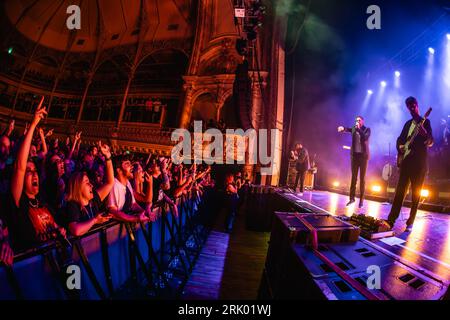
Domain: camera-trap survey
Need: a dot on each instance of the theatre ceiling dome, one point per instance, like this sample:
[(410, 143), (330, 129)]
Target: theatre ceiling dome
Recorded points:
[(109, 22)]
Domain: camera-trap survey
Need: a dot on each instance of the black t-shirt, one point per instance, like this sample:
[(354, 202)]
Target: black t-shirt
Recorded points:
[(74, 212), (30, 224)]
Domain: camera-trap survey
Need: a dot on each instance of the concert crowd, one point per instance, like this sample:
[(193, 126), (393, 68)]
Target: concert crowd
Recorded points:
[(52, 188)]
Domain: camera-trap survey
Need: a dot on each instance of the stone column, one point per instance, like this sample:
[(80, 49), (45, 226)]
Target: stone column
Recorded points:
[(186, 111), (257, 103), (83, 100), (125, 96)]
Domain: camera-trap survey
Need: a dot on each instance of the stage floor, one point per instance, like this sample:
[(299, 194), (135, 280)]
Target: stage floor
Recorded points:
[(427, 246)]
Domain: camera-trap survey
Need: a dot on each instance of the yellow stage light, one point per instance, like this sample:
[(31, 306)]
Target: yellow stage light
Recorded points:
[(425, 193), (376, 188)]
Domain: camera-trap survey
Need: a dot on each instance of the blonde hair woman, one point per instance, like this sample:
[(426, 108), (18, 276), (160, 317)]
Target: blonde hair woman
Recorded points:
[(84, 202)]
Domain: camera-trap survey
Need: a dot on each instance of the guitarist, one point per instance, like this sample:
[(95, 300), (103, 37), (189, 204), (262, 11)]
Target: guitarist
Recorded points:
[(414, 166)]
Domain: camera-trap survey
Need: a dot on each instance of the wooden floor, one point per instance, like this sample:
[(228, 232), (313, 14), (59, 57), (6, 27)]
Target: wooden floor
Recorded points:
[(229, 266), (205, 279)]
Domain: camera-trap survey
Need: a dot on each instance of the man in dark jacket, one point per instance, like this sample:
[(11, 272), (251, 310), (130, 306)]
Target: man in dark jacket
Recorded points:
[(413, 168), (359, 157), (301, 157)]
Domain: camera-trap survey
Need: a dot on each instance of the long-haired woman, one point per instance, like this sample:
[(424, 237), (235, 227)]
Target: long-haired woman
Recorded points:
[(32, 222), (84, 202)]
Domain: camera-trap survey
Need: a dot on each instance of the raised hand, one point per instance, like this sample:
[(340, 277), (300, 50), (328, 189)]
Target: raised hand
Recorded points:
[(49, 133), (340, 129), (40, 113), (147, 177), (77, 136), (104, 149), (11, 127), (163, 164), (27, 125)]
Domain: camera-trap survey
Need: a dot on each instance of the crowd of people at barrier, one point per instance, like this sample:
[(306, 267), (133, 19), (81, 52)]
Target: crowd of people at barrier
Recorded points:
[(51, 188)]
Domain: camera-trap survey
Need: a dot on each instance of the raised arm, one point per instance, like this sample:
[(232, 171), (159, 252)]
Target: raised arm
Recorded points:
[(344, 129), (77, 138), (20, 165), (10, 128), (44, 144), (166, 182), (104, 190), (179, 190), (149, 195)]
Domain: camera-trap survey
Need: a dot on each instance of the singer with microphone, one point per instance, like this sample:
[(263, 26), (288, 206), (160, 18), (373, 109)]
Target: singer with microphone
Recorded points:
[(359, 157)]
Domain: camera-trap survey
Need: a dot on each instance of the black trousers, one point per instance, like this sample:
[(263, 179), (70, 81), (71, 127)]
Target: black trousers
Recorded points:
[(411, 173), (300, 177), (359, 163)]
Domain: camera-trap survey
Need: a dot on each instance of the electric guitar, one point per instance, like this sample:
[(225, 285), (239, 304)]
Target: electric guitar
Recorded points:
[(409, 140)]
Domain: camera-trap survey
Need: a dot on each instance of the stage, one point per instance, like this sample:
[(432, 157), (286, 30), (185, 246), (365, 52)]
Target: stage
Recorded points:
[(427, 246)]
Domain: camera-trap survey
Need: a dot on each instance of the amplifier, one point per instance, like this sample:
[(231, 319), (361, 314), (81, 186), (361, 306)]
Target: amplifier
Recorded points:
[(260, 205), (287, 228), (329, 229), (298, 281), (305, 275), (309, 176), (400, 282)]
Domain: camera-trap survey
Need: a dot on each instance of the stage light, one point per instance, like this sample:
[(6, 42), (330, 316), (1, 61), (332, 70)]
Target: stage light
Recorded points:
[(367, 99), (431, 50), (448, 36), (383, 84), (397, 74), (336, 184), (424, 193), (376, 188), (346, 147), (10, 50)]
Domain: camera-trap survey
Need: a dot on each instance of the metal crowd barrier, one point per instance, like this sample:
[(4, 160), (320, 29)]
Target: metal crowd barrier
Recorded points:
[(112, 258)]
